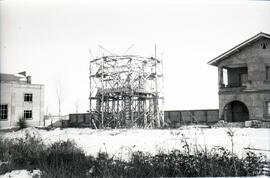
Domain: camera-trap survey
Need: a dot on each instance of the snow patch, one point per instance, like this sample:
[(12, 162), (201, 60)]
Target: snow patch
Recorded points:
[(121, 142), (21, 174)]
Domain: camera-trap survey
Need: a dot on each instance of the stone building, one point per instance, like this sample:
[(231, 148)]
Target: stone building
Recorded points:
[(244, 80), (20, 99)]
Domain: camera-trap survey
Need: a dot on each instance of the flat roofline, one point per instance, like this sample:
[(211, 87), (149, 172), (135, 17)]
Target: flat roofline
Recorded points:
[(18, 83)]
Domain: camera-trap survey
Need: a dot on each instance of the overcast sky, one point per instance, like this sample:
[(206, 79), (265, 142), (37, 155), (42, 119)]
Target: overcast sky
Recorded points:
[(51, 40)]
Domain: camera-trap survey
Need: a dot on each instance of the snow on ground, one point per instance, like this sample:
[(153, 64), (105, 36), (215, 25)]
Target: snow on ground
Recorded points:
[(120, 142), (21, 174)]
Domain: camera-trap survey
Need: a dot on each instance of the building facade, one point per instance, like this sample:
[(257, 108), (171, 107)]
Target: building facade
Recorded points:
[(20, 99), (244, 80)]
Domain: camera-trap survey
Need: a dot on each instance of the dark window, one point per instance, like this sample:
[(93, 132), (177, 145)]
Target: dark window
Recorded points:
[(3, 111), (264, 45), (27, 114), (28, 97)]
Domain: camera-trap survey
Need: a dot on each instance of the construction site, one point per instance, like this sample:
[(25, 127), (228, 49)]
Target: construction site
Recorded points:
[(126, 91)]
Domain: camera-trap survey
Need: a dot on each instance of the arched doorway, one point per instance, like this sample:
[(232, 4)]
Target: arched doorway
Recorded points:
[(236, 111)]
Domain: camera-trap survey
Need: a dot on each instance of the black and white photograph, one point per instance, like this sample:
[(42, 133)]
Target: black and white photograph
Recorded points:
[(134, 88)]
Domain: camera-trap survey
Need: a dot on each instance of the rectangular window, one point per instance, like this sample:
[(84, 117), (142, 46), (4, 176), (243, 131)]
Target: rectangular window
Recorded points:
[(28, 114), (3, 112), (28, 97)]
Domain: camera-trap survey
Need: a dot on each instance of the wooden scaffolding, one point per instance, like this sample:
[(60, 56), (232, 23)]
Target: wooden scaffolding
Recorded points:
[(126, 91)]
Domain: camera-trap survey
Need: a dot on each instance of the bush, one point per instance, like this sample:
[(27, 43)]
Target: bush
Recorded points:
[(21, 153), (65, 159), (253, 164), (177, 164), (21, 123)]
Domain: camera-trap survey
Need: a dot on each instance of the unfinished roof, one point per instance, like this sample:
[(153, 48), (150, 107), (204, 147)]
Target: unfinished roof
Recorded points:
[(223, 56), (9, 77)]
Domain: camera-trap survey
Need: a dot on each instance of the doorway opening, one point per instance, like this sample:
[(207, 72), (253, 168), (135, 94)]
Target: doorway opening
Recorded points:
[(236, 111)]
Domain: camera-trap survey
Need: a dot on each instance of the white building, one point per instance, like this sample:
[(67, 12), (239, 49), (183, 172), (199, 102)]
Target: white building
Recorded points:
[(20, 99)]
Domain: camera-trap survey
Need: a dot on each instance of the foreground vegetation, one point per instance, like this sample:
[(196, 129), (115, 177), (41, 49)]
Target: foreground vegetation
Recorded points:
[(65, 159)]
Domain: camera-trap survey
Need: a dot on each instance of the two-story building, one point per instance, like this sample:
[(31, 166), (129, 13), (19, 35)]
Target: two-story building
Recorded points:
[(244, 80), (20, 99)]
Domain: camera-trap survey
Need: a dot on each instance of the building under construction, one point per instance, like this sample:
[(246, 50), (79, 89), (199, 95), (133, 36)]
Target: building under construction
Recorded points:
[(126, 91)]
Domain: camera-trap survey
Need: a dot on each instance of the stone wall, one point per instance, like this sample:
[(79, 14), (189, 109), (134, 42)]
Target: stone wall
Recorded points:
[(255, 102)]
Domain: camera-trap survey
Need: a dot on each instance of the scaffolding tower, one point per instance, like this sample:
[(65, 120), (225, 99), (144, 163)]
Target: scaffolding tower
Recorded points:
[(126, 91)]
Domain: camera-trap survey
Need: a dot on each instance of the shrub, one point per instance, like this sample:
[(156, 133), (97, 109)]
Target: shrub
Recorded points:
[(177, 164), (3, 156), (253, 164), (21, 123), (21, 153), (64, 159)]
